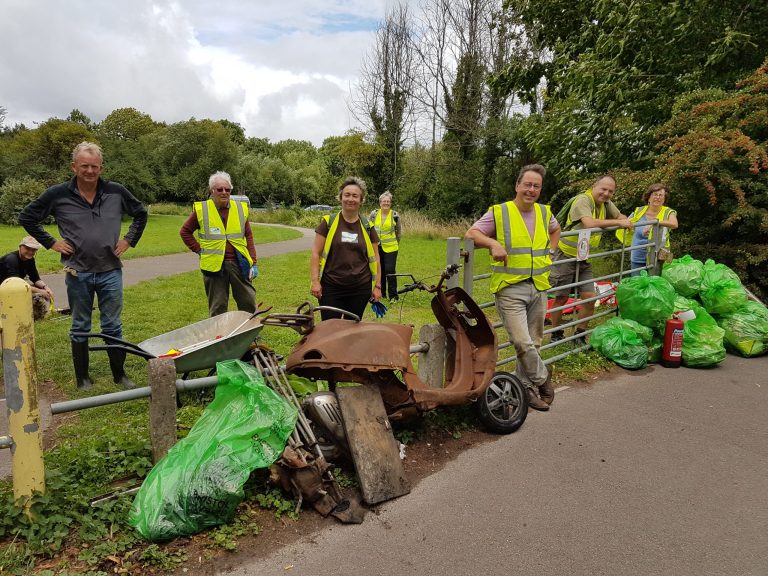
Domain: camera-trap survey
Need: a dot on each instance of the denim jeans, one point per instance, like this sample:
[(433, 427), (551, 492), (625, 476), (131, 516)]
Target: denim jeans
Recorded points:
[(522, 309), (108, 289)]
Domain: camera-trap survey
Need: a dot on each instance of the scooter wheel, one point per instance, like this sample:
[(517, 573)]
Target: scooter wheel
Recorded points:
[(503, 407)]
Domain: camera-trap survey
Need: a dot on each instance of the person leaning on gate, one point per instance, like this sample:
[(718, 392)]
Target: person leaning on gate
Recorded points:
[(225, 246), (519, 234), (21, 264), (591, 209), (88, 212), (387, 224), (655, 208)]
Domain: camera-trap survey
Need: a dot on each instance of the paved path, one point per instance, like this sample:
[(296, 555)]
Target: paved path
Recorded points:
[(134, 271), (139, 269), (656, 472)]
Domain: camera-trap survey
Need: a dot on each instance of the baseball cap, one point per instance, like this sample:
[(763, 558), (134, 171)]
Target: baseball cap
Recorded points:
[(30, 242)]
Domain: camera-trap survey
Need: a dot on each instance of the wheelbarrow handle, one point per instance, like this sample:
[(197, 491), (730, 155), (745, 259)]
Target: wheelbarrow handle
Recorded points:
[(115, 343)]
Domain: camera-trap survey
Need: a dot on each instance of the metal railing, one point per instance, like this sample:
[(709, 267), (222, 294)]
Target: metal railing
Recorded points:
[(456, 253)]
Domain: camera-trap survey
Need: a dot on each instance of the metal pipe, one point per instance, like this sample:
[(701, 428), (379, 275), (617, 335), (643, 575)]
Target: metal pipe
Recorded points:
[(101, 400)]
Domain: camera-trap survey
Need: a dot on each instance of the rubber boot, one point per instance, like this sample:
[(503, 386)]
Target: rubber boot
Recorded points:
[(116, 364), (80, 360)]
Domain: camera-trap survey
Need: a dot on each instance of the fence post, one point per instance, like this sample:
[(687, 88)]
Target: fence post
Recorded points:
[(453, 256), (162, 406), (659, 235), (20, 373), (469, 266), (431, 368)]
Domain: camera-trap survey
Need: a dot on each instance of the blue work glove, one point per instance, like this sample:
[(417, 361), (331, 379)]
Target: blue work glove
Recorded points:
[(379, 309), (254, 272)]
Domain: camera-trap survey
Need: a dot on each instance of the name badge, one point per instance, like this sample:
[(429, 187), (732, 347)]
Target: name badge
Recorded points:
[(348, 237), (215, 230)]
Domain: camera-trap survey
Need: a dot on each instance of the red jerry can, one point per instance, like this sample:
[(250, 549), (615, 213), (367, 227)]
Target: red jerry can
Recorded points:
[(672, 351)]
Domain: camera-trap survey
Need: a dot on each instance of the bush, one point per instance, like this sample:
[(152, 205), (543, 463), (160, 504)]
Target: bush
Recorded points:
[(15, 194)]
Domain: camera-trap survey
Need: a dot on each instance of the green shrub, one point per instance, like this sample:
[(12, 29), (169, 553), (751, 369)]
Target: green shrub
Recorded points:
[(15, 194)]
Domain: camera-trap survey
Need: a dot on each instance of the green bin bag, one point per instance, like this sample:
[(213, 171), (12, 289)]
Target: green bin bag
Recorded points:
[(721, 290), (746, 330), (620, 344), (649, 300), (702, 341), (199, 483), (684, 274), (643, 332)]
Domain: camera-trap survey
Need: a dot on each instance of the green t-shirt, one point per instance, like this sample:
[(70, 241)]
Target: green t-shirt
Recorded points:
[(583, 206)]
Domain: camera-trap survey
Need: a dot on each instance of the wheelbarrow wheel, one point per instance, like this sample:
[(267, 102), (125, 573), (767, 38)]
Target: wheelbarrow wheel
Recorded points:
[(503, 407)]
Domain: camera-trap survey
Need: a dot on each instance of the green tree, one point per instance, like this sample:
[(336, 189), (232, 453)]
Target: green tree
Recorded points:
[(126, 124), (186, 154), (714, 155), (45, 153), (614, 68), (15, 194)]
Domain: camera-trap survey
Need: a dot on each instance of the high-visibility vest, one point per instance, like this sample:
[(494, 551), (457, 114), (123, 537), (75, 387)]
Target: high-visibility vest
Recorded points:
[(663, 214), (214, 235), (386, 231), (333, 224), (568, 245), (526, 257)]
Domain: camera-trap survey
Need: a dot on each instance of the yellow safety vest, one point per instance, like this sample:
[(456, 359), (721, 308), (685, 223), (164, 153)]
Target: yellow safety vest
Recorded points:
[(213, 235), (333, 224), (526, 258), (386, 231), (568, 245), (663, 214)]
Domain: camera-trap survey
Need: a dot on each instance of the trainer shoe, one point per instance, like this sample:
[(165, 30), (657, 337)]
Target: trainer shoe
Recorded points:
[(535, 402), (582, 339), (546, 391), (556, 336)]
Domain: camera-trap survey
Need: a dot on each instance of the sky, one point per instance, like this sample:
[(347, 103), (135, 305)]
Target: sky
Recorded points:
[(280, 68)]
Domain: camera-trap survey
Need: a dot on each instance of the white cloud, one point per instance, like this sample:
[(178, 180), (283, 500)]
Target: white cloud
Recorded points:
[(280, 68)]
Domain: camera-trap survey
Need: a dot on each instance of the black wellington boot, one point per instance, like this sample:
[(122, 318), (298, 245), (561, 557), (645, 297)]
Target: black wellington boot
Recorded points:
[(80, 360), (116, 364)]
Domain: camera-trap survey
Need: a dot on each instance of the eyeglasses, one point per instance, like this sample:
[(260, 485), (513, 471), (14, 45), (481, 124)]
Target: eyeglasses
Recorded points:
[(530, 186), (223, 189)]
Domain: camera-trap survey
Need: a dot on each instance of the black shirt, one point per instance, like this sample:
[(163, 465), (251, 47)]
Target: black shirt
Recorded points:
[(92, 229), (12, 266)]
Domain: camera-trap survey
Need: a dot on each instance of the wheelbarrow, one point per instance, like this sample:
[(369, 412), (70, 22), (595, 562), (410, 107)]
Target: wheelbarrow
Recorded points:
[(197, 346)]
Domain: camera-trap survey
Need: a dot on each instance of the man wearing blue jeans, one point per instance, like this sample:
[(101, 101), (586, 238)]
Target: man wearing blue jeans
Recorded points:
[(519, 235), (88, 212)]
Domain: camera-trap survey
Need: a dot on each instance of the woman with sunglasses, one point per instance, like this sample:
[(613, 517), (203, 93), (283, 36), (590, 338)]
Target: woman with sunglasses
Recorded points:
[(225, 245)]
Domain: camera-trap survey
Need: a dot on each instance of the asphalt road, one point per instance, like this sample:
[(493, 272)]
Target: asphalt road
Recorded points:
[(657, 472)]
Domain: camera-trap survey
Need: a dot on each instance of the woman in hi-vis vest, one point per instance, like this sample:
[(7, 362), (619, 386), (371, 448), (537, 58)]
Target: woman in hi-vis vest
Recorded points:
[(656, 198), (387, 224), (344, 267)]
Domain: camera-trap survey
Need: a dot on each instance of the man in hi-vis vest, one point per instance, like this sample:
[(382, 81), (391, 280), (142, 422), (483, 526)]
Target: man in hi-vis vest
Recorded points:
[(591, 209), (519, 235), (225, 246)]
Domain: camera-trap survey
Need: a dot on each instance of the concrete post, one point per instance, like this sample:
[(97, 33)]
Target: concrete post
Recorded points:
[(431, 368), (469, 267), (162, 406), (20, 372)]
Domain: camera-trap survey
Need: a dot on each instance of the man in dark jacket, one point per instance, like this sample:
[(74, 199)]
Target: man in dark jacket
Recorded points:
[(88, 212), (21, 264)]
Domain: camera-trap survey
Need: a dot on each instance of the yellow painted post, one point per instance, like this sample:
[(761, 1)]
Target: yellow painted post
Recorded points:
[(20, 371)]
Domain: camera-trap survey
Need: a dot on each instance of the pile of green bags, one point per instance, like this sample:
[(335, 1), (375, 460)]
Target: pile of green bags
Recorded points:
[(724, 316), (199, 483)]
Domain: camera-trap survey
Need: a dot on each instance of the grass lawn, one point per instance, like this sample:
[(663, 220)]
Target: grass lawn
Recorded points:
[(161, 236), (99, 445)]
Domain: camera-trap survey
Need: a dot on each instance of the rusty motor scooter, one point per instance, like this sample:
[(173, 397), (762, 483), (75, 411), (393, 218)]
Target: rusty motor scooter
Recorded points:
[(375, 353)]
